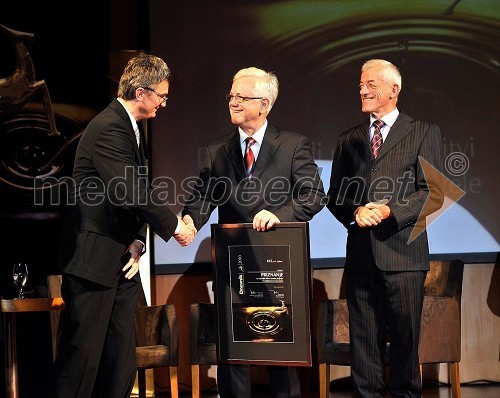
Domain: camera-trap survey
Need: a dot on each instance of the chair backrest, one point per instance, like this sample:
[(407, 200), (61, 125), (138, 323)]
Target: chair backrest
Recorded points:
[(444, 279), (156, 325), (150, 324), (341, 319), (202, 334), (440, 329)]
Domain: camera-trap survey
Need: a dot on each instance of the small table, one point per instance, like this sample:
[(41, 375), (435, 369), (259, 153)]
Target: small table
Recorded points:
[(10, 307)]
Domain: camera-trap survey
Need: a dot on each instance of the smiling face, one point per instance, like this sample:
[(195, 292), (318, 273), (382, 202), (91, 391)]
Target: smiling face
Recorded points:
[(251, 114), (157, 96), (149, 99), (378, 96)]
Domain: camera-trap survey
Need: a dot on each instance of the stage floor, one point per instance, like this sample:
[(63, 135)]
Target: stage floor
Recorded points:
[(430, 391)]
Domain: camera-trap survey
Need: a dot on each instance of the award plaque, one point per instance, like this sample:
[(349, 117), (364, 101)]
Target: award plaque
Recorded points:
[(262, 294)]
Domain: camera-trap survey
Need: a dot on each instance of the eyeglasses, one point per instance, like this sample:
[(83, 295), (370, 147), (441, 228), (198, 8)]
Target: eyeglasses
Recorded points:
[(239, 99), (162, 97)]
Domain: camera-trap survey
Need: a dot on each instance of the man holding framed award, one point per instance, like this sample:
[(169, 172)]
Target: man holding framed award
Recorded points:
[(258, 174)]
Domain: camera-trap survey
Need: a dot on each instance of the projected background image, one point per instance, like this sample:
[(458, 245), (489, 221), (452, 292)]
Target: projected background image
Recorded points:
[(447, 51)]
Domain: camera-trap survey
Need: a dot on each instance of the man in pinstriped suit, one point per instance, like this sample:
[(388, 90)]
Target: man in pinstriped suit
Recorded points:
[(379, 192)]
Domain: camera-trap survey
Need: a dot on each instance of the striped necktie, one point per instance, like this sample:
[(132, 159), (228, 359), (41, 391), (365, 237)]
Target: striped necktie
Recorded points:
[(376, 142), (249, 156)]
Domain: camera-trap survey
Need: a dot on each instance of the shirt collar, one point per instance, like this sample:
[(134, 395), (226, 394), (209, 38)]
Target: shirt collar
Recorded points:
[(132, 118), (257, 136), (388, 119)]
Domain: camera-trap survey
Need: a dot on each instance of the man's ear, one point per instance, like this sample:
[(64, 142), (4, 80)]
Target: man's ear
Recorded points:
[(139, 93), (395, 90)]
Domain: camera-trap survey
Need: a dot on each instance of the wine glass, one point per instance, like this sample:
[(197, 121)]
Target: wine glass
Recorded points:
[(20, 276)]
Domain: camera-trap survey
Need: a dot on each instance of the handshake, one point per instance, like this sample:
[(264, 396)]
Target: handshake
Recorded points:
[(262, 221), (187, 232)]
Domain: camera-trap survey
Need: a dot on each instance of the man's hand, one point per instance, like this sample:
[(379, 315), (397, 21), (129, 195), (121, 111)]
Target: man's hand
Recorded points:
[(187, 232), (264, 220), (135, 250), (188, 220), (371, 215)]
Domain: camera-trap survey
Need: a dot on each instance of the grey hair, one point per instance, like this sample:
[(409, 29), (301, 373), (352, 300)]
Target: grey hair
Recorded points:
[(143, 70), (389, 71), (266, 85)]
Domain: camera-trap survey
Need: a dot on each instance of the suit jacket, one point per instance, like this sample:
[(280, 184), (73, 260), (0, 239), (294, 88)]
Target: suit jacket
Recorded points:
[(397, 174), (111, 200), (285, 180)]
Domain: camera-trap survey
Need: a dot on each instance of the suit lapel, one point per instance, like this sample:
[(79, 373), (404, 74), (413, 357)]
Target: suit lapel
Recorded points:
[(142, 149), (233, 150), (139, 153), (361, 137), (401, 128), (270, 145)]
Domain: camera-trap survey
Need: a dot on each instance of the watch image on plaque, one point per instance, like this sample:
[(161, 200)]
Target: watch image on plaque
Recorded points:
[(260, 293)]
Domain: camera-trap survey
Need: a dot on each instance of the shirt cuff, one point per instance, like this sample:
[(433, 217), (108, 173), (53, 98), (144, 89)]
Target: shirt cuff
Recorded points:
[(178, 229)]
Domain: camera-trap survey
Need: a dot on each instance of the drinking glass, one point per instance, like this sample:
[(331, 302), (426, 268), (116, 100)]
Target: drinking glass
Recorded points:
[(20, 276)]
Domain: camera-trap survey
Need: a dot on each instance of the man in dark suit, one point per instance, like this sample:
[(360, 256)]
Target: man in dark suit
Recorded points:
[(271, 179), (380, 193), (104, 237)]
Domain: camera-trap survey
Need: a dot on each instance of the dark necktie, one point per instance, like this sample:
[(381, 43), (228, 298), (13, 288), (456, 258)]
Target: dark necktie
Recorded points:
[(377, 137), (249, 157)]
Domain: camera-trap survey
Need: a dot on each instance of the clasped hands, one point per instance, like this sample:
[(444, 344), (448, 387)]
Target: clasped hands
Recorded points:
[(371, 214), (188, 231)]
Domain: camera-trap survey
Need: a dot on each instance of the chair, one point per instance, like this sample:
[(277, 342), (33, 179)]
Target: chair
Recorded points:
[(157, 342), (156, 335), (202, 341), (440, 339)]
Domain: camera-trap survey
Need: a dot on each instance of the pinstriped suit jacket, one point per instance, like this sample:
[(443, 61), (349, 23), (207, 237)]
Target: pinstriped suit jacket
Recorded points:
[(397, 174)]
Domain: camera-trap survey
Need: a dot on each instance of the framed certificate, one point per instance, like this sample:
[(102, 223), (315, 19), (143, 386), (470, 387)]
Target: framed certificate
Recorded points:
[(262, 294)]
